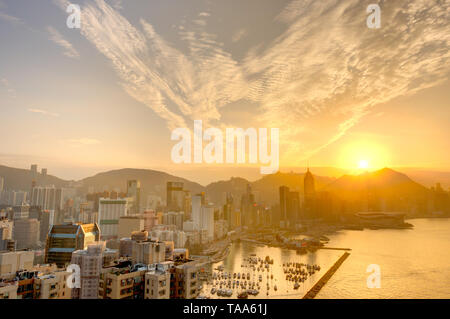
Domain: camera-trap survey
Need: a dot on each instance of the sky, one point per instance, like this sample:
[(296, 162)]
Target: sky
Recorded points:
[(108, 95)]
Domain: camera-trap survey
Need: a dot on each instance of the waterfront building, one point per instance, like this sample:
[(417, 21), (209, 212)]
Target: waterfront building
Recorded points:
[(207, 221), (184, 283), (248, 213), (220, 228), (309, 195)]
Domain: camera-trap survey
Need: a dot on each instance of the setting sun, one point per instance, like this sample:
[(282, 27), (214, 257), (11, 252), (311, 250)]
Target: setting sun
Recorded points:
[(363, 164)]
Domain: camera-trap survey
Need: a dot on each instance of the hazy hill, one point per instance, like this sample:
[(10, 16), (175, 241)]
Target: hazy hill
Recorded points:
[(266, 189), (20, 179), (217, 191), (385, 183), (151, 182)]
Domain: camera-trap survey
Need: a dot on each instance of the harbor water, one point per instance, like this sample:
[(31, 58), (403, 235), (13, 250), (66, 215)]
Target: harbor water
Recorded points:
[(413, 263)]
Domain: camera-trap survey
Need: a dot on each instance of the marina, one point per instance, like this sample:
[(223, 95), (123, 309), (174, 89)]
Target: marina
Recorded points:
[(252, 270)]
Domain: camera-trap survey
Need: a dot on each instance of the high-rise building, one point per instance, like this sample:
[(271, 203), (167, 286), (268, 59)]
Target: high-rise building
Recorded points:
[(207, 221), (150, 219), (64, 239), (289, 208), (175, 196), (129, 224), (197, 210), (47, 198), (148, 252), (26, 233), (109, 213), (184, 282), (134, 192), (284, 191), (44, 172), (6, 229), (90, 261), (34, 169), (228, 209), (248, 213), (46, 222), (157, 282), (13, 198), (20, 212), (2, 184), (174, 218), (309, 194)]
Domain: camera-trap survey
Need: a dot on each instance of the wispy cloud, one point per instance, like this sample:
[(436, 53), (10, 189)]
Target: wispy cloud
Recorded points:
[(57, 38), (43, 112), (172, 84), (10, 18), (328, 69), (322, 75)]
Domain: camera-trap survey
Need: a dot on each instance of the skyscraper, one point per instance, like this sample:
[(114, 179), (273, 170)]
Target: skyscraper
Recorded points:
[(90, 261), (196, 210), (248, 212), (310, 194), (109, 212), (47, 198), (2, 184), (26, 233), (289, 207), (134, 191), (175, 196), (284, 191)]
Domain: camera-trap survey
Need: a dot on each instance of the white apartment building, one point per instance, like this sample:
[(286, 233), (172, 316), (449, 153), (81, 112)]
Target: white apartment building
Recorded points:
[(109, 213)]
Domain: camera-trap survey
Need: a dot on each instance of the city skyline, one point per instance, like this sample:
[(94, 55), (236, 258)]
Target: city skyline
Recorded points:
[(107, 96)]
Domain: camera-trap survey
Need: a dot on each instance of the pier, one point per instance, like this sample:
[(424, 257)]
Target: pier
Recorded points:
[(311, 294)]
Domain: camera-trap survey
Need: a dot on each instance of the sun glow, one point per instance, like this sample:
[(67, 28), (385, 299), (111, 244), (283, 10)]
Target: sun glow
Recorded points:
[(363, 155), (363, 164)]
